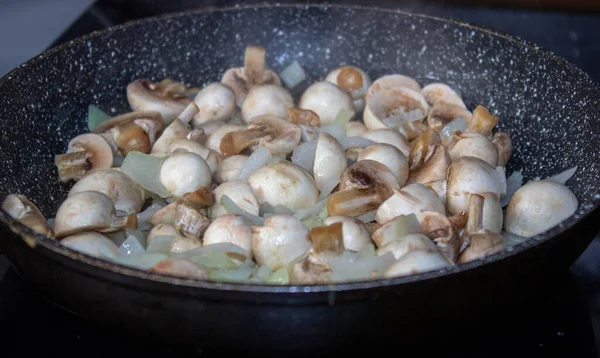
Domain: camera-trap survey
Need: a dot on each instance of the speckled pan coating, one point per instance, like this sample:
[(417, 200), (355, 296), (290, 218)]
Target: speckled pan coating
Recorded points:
[(549, 107)]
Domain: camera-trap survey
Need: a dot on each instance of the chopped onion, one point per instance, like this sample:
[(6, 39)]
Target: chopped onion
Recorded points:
[(232, 208), (400, 119), (267, 208), (304, 155), (361, 269), (224, 247), (458, 124), (262, 273), (138, 234), (304, 213), (511, 239), (292, 75), (368, 217), (143, 261), (237, 275), (118, 237), (308, 133), (160, 245), (131, 247), (144, 169), (279, 277), (214, 260), (513, 183), (367, 251), (333, 130), (144, 216), (343, 116), (312, 222), (96, 116), (563, 177), (256, 160), (404, 225), (501, 172), (348, 142), (328, 187)]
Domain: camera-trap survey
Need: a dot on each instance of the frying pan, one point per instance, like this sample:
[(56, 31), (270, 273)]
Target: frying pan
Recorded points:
[(546, 104)]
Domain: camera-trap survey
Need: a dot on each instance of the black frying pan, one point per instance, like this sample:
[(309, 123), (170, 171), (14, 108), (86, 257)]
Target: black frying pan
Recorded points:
[(548, 106)]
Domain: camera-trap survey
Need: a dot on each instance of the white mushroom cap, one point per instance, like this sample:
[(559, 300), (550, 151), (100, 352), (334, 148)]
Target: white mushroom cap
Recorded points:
[(389, 136), (352, 80), (355, 129), (389, 156), (406, 244), (212, 158), (127, 196), (326, 100), (229, 168), (415, 262), (439, 93), (355, 233), (330, 160), (538, 206), (411, 199), (213, 141), (176, 130), (184, 172), (281, 240), (465, 144), (267, 100), (216, 102), (230, 228), (468, 175), (240, 193), (284, 183), (392, 81), (91, 243)]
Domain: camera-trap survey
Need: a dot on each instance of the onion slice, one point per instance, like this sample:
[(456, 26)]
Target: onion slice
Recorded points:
[(292, 75), (144, 169), (256, 160), (232, 208), (513, 183), (563, 177), (458, 124), (96, 116)]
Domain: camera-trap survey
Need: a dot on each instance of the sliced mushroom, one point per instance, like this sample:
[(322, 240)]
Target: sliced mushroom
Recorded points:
[(304, 117), (183, 216), (178, 129), (415, 262), (538, 206), (391, 137), (482, 122), (470, 175), (440, 229), (281, 240), (403, 245), (284, 183), (268, 100), (439, 187), (166, 97), (25, 212), (485, 214), (307, 271), (503, 144), (326, 100), (89, 211), (420, 146), (411, 199), (135, 131), (213, 141), (482, 245), (396, 229), (279, 136), (353, 152), (229, 168), (352, 80), (327, 239), (181, 268), (242, 195), (216, 102), (355, 129), (363, 187), (434, 167), (444, 113), (230, 228), (182, 241), (212, 158), (85, 154), (330, 160), (465, 144), (439, 93), (355, 234), (394, 107), (392, 81), (91, 243), (242, 79), (389, 156), (184, 172), (127, 196)]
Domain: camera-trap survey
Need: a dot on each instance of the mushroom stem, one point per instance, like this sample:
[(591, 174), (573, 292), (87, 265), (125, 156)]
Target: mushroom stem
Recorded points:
[(475, 220), (328, 238), (121, 222), (459, 221), (254, 65), (201, 198), (434, 168), (304, 116), (234, 142), (482, 122), (354, 202), (420, 147), (504, 146), (73, 166), (349, 79), (132, 138), (188, 113)]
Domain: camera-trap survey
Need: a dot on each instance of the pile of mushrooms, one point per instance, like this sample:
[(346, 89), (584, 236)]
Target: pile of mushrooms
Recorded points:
[(240, 182)]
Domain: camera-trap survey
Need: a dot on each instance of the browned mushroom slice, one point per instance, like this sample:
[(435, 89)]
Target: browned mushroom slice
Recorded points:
[(503, 144), (304, 116), (439, 228), (85, 153), (459, 221), (482, 245), (25, 212), (444, 113), (437, 161), (201, 198), (279, 136), (394, 107), (135, 131), (420, 147), (167, 97), (482, 122), (328, 238), (183, 216)]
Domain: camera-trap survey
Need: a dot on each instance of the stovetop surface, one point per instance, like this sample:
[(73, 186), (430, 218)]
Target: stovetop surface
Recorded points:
[(562, 323)]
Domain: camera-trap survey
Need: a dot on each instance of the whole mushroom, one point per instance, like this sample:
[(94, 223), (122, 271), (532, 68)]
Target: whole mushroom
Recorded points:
[(463, 144), (230, 228), (229, 168), (213, 141), (167, 97), (240, 192), (329, 162), (353, 80), (184, 172), (389, 156), (355, 233), (269, 100), (411, 199), (216, 102), (86, 153), (326, 100)]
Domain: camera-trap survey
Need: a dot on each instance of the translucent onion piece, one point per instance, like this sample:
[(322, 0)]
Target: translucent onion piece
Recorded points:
[(511, 239), (138, 234), (362, 269), (333, 130), (279, 277), (314, 211), (143, 261), (95, 116), (328, 186), (368, 217), (214, 260), (312, 222), (223, 247), (262, 274), (144, 169), (238, 275), (256, 160), (308, 133), (232, 208), (343, 117), (563, 177), (458, 124), (513, 183), (398, 120), (304, 155), (367, 252), (348, 142), (267, 208), (145, 215), (292, 75), (160, 245), (131, 247)]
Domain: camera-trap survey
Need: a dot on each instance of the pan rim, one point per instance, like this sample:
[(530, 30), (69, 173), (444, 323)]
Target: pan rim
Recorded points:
[(584, 209)]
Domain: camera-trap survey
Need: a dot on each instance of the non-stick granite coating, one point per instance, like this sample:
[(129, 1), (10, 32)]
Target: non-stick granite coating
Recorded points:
[(548, 107)]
